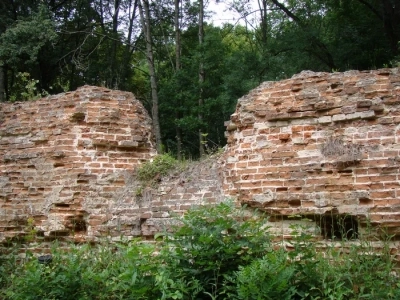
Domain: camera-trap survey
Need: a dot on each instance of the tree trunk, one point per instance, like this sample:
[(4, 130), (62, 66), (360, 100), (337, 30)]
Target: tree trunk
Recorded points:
[(264, 25), (202, 139), (125, 68), (2, 84), (112, 76), (145, 20), (391, 16), (177, 68)]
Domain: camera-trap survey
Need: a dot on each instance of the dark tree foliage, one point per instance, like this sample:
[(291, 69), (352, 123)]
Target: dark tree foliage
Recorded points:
[(50, 46)]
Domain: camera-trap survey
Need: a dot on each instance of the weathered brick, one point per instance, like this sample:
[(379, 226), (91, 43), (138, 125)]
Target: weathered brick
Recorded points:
[(325, 120), (282, 156)]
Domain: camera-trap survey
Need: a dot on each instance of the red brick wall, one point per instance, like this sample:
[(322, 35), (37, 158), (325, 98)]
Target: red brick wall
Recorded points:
[(315, 146), (67, 170), (319, 144), (66, 162)]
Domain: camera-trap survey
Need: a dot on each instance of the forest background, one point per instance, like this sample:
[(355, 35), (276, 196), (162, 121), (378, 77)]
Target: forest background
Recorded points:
[(187, 71)]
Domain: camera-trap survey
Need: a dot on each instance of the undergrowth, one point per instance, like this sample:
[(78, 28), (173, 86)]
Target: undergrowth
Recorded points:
[(219, 252), (160, 166)]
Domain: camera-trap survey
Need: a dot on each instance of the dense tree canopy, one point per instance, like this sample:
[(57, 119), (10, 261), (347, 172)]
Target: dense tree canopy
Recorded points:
[(187, 72)]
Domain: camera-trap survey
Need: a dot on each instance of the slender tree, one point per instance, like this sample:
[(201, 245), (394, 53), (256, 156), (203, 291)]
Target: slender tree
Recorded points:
[(129, 45), (177, 69), (202, 139), (144, 11), (2, 84)]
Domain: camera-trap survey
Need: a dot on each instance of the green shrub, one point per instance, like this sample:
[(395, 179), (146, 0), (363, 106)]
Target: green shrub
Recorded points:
[(84, 272), (350, 272), (8, 263), (217, 252), (367, 274), (160, 166), (210, 244), (270, 277)]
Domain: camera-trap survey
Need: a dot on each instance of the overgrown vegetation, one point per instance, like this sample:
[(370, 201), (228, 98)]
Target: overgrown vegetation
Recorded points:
[(219, 252), (159, 166), (151, 172)]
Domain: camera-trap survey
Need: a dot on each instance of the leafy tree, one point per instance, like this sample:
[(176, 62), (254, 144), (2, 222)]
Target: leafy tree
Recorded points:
[(22, 43), (195, 83)]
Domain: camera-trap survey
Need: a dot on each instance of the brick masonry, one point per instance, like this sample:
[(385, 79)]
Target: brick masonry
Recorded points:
[(312, 147), (68, 170), (319, 144), (66, 162)]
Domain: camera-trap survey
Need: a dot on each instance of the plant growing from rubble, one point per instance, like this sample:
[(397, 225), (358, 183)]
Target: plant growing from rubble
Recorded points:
[(30, 229), (152, 171)]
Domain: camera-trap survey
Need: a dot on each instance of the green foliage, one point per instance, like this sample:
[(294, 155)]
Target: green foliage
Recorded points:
[(219, 252), (343, 273), (270, 277), (30, 230), (104, 272), (159, 166), (26, 37), (211, 244), (26, 88), (67, 44), (8, 264), (306, 260)]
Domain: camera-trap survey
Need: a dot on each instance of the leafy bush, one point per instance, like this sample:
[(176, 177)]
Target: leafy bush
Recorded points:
[(270, 277), (8, 263), (160, 166), (84, 272), (218, 252), (344, 273), (211, 244)]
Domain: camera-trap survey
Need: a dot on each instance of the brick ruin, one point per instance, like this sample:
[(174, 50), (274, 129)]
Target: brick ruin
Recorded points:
[(67, 162), (68, 171), (317, 149), (321, 146)]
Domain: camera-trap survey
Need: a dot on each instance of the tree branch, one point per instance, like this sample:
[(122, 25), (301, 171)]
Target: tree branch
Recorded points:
[(371, 8)]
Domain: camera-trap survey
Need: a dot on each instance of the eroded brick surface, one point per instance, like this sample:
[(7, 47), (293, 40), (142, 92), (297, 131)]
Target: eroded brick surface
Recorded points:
[(319, 144), (68, 171), (66, 162), (316, 146)]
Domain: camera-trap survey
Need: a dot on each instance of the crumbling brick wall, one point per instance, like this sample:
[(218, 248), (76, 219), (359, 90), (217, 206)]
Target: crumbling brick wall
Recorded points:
[(319, 145), (67, 161), (68, 171)]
